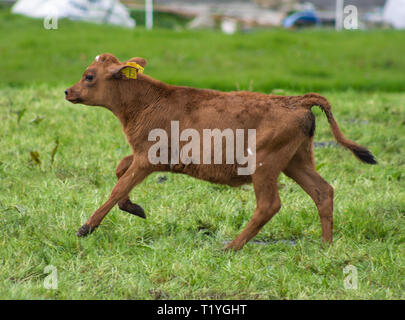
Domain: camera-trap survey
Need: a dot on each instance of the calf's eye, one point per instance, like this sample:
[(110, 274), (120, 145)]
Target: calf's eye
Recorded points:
[(89, 78)]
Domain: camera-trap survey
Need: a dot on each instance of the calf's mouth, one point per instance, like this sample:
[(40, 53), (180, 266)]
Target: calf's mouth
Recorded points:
[(71, 97)]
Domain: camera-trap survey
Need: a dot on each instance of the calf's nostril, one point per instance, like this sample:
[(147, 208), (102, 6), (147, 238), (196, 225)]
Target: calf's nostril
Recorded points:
[(66, 92)]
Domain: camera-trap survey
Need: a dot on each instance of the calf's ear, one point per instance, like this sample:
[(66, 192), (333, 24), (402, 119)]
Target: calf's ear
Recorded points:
[(123, 71), (141, 61)]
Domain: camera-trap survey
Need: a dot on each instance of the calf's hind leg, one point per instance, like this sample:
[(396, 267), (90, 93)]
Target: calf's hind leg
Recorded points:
[(125, 204), (301, 169), (268, 204)]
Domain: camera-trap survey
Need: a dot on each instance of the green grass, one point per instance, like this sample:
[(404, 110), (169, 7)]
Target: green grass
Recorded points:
[(310, 60), (176, 252)]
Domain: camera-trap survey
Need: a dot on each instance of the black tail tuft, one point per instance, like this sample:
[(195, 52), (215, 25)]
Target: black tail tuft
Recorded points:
[(364, 155)]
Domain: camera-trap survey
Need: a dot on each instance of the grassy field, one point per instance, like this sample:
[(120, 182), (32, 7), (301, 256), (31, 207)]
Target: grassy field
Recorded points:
[(52, 176), (307, 60)]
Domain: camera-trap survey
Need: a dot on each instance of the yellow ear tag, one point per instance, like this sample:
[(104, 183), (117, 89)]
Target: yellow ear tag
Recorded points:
[(132, 73)]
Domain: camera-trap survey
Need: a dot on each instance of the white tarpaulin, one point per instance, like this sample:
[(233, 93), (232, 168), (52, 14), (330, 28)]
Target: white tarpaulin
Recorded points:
[(394, 13), (98, 11)]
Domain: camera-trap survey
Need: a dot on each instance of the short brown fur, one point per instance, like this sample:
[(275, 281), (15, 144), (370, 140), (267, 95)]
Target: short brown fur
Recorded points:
[(284, 138)]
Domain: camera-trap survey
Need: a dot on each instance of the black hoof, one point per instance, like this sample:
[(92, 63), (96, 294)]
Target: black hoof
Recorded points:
[(134, 209), (84, 231)]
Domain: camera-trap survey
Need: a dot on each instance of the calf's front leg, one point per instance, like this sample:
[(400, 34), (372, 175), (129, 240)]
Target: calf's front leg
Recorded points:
[(132, 176), (125, 204)]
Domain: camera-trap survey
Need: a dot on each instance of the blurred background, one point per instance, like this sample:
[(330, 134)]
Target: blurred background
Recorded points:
[(227, 15), (255, 45)]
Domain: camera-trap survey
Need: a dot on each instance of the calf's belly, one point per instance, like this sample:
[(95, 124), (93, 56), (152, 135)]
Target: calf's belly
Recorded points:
[(216, 173)]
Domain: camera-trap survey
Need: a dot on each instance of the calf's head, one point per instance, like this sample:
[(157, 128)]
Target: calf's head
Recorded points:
[(101, 82)]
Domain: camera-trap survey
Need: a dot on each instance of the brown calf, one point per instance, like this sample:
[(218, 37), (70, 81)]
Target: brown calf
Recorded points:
[(284, 137)]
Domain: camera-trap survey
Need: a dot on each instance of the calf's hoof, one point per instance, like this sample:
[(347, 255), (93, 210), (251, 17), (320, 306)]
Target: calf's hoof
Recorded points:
[(233, 246), (84, 230), (132, 208)]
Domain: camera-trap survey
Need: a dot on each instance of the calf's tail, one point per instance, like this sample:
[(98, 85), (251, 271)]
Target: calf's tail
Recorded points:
[(362, 153)]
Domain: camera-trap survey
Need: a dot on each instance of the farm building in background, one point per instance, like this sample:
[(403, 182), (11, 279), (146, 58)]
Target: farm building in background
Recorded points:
[(263, 13)]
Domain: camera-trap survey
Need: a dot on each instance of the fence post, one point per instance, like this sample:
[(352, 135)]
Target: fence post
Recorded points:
[(149, 14), (339, 15)]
